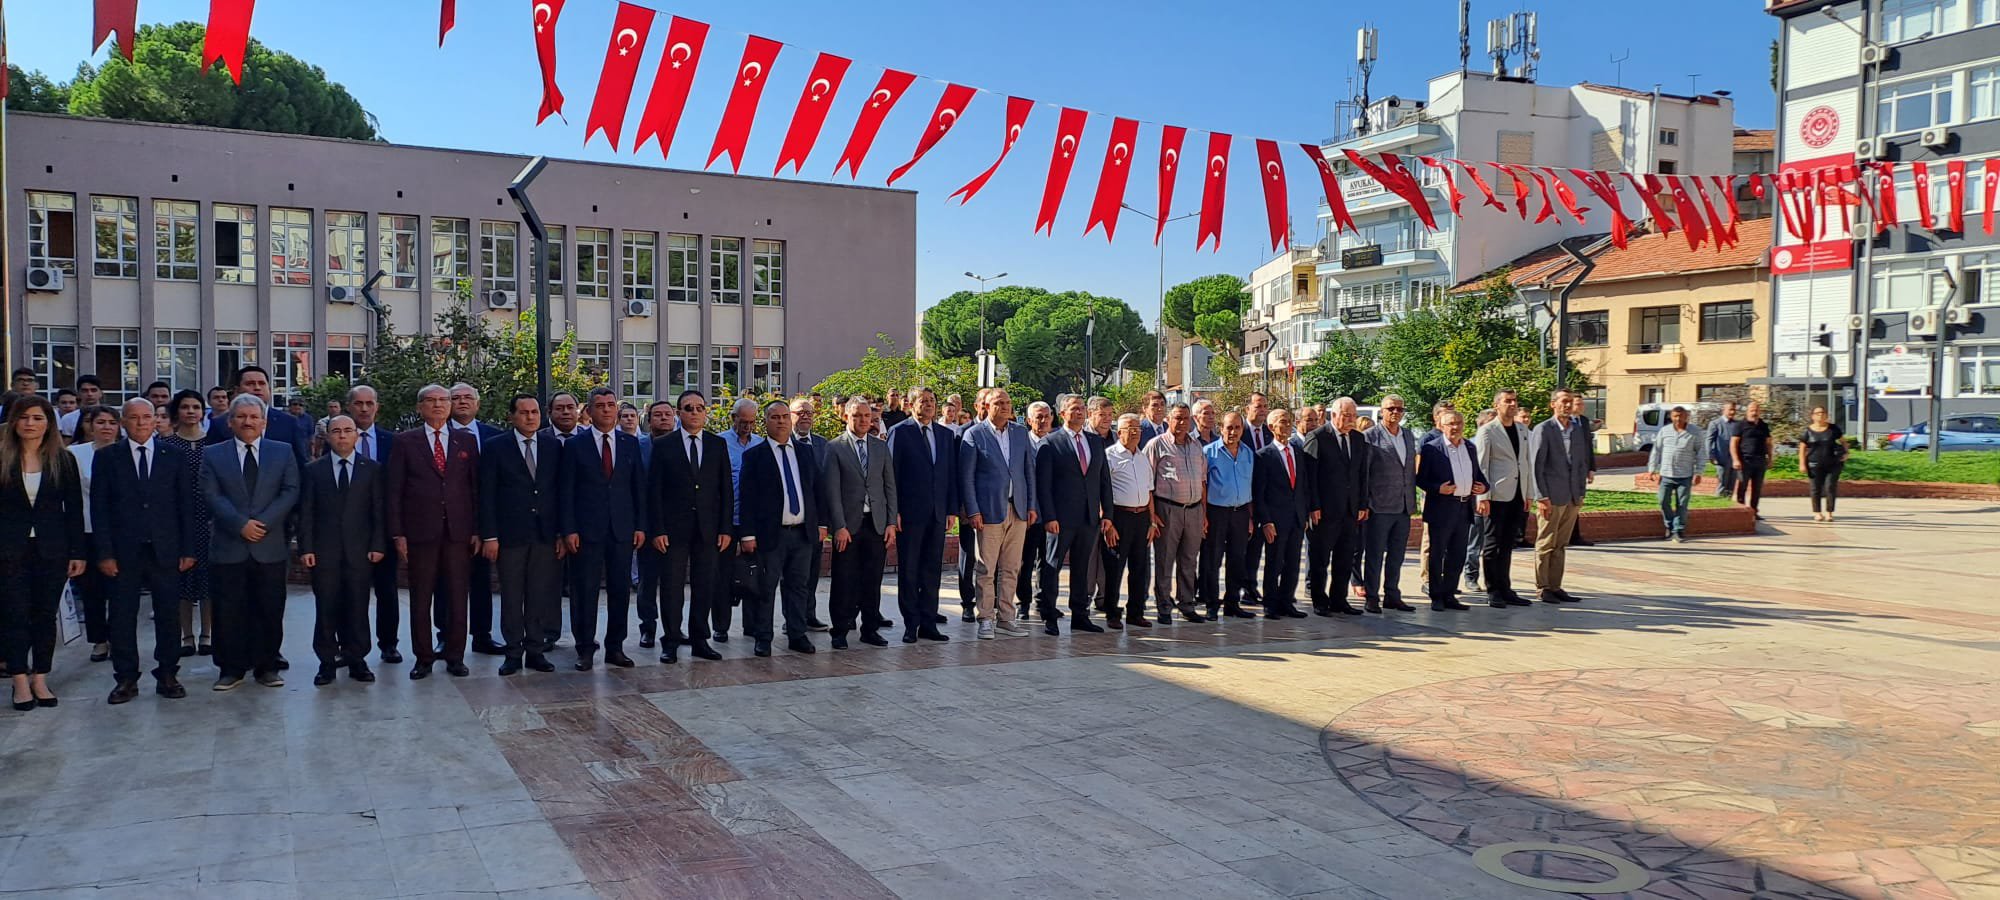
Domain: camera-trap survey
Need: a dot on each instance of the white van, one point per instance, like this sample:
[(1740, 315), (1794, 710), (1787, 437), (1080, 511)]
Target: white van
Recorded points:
[(1651, 417)]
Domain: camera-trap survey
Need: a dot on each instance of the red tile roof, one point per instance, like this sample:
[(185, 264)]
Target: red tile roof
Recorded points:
[(1755, 140), (1644, 256)]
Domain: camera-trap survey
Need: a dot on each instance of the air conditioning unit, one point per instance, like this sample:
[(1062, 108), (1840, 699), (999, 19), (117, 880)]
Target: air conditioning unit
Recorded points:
[(638, 307), (1936, 138), (48, 279), (1957, 315), (1868, 149), (1857, 322), (341, 293), (1925, 321), (500, 300), (1874, 54)]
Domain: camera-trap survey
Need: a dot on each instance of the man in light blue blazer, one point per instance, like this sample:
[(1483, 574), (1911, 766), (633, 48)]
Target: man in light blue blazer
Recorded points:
[(997, 483), (250, 485)]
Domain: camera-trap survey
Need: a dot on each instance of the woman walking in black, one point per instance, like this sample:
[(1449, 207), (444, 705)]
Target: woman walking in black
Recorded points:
[(1822, 454), (41, 543)]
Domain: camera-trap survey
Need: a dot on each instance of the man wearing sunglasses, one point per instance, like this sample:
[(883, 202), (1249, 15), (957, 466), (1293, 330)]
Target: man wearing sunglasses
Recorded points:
[(690, 502)]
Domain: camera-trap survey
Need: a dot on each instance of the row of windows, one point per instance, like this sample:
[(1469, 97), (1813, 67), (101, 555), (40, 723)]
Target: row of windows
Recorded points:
[(1975, 374), (1968, 95), (640, 374), (177, 257), (1905, 284), (1656, 327), (1909, 20)]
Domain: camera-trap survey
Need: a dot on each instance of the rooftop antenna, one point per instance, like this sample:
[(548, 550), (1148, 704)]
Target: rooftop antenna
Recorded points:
[(1691, 82), (1365, 54), (1499, 37), (1618, 79), (1464, 34)]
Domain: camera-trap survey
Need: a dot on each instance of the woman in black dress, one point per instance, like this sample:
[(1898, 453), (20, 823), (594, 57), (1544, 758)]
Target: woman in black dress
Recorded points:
[(41, 543), (1822, 454), (189, 417), (1750, 453)]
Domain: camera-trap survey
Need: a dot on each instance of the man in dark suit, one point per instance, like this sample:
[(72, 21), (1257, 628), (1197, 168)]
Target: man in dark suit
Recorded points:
[(279, 425), (375, 442), (926, 457), (805, 411), (251, 486), (862, 516), (142, 507), (520, 525), (690, 501), (1339, 459), (1256, 436), (1284, 493), (341, 537), (433, 520), (1454, 491), (1075, 499), (603, 507), (781, 505), (479, 601)]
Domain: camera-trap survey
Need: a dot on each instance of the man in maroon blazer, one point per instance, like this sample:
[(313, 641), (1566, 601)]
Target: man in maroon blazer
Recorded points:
[(433, 520)]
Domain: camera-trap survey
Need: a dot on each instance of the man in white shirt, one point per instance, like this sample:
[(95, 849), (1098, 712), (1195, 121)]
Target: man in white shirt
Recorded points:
[(1128, 545)]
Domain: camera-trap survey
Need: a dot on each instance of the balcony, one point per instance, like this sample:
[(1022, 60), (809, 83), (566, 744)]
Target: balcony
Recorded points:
[(1654, 358), (1409, 134), (1391, 258), (1307, 351)]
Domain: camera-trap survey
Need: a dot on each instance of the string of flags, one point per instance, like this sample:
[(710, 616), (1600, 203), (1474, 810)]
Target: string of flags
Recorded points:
[(1703, 208)]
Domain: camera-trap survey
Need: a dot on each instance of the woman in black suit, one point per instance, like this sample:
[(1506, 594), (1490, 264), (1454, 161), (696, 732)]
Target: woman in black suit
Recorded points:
[(41, 543)]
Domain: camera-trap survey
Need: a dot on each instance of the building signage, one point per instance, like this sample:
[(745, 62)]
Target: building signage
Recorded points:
[(1361, 257), (1819, 126), (1817, 256), (1362, 315)]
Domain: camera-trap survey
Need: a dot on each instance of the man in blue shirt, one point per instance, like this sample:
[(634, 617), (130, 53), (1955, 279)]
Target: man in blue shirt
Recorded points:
[(1231, 470), (736, 567)]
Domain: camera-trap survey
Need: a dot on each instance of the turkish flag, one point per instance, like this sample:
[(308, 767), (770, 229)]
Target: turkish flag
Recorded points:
[(1600, 184), (1457, 197), (447, 17), (1989, 176), (1649, 196), (1721, 231), (751, 75), (121, 16), (228, 35), (1271, 171), (814, 102), (1111, 180), (1757, 186), (1018, 109), (1725, 185), (1885, 196), (1396, 177), (1797, 191), (1521, 189), (1922, 174), (546, 14), (949, 108), (621, 66), (1171, 137), (887, 91), (1548, 207), (1485, 189), (662, 116), (1955, 181), (1565, 196), (1330, 183), (1214, 190), (1690, 215), (1062, 158)]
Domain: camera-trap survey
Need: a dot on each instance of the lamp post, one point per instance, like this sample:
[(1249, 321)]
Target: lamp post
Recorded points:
[(1159, 323), (518, 189), (980, 359)]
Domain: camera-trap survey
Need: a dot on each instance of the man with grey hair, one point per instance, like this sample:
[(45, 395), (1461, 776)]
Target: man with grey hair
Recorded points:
[(465, 417), (1207, 430), (735, 578), (251, 484), (375, 442), (1563, 458), (1392, 499), (1339, 460), (1035, 545), (996, 483), (1180, 491), (433, 523)]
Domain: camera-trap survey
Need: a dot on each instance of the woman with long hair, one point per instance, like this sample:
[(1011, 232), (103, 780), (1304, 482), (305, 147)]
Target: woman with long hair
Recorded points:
[(41, 543), (96, 428), (190, 426), (1822, 454)]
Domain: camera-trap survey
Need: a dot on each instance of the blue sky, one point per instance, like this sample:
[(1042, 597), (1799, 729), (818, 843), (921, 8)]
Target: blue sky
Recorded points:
[(1255, 70)]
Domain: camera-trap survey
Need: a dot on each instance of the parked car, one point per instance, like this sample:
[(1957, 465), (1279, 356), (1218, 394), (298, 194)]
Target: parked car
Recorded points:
[(1974, 432), (1651, 417)]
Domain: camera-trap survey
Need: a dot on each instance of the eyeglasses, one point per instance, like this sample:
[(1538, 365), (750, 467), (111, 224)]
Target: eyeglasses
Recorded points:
[(694, 408), (1392, 409)]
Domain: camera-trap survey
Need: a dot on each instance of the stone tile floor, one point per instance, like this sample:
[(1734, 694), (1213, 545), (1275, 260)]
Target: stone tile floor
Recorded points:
[(1807, 712)]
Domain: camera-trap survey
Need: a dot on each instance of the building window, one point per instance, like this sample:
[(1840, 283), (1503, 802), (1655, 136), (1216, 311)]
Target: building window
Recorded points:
[(1652, 393), (1517, 148), (176, 232), (1657, 328), (594, 358), (114, 221), (1985, 12), (1668, 167), (399, 251), (683, 369), (345, 355), (346, 249), (1593, 405), (557, 236), (1914, 105), (1909, 284), (725, 369), (767, 273), (639, 277), (593, 263), (683, 268), (767, 370), (725, 270), (451, 255), (498, 246), (1908, 20), (1718, 393), (52, 353), (235, 243), (117, 355), (291, 362), (177, 358), (641, 366), (1985, 88), (52, 231), (1727, 321), (1589, 329), (234, 350), (291, 247), (1978, 370), (1670, 137)]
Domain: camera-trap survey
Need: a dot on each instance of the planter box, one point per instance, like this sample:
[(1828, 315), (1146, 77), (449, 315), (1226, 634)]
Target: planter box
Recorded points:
[(1887, 490), (1622, 460), (1644, 524)]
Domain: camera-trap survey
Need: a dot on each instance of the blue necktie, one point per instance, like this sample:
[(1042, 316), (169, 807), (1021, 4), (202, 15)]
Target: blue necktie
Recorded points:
[(791, 487)]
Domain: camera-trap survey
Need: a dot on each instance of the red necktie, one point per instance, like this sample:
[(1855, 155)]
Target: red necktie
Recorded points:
[(1082, 455), (437, 450), (605, 457), (1291, 474)]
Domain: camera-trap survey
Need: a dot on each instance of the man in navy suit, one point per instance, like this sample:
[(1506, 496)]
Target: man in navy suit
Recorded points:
[(279, 425), (251, 486), (781, 526), (926, 457), (143, 508), (479, 605), (1284, 492), (520, 529), (690, 500), (342, 532), (1448, 474), (996, 481), (1339, 457), (374, 441), (603, 521), (805, 410), (1075, 500)]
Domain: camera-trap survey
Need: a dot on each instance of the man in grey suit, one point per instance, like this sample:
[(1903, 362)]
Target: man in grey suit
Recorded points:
[(1392, 498), (861, 514), (1562, 473), (1506, 457), (997, 483), (250, 485)]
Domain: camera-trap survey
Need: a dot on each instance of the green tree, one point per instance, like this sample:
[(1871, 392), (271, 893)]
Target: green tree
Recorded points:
[(1345, 367), (1045, 340), (34, 92), (165, 82), (1210, 309), (878, 371), (1427, 353), (951, 328), (1774, 65), (1532, 381)]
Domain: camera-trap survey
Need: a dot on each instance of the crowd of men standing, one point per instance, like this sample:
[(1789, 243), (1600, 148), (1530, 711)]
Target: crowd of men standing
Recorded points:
[(200, 502)]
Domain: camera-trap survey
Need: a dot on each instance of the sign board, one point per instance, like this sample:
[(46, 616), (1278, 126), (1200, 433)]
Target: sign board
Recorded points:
[(1817, 256), (1361, 257), (1363, 315), (1900, 372), (1803, 307)]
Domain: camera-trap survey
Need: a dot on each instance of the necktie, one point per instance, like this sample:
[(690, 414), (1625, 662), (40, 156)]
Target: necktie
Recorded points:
[(928, 445), (250, 469), (604, 458), (791, 487), (145, 470), (341, 482), (365, 449), (694, 453), (528, 453), (1291, 474), (1082, 455), (437, 450), (861, 448)]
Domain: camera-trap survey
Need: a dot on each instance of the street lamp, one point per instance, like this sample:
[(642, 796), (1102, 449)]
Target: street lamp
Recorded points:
[(1159, 323), (982, 279)]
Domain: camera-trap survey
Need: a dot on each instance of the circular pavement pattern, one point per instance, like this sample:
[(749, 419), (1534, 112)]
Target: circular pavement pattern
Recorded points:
[(1718, 782)]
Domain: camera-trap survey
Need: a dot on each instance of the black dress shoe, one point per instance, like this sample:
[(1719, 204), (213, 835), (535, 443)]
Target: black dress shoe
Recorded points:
[(1049, 626), (762, 648), (1497, 604), (721, 637), (457, 669), (1113, 623), (909, 637), (24, 705), (1293, 612), (1372, 606), (1191, 616), (1138, 622), (939, 618), (814, 624), (204, 649), (703, 650), (874, 639), (1454, 605), (619, 659), (123, 692), (283, 663), (391, 656), (485, 646), (420, 671), (187, 650), (1348, 609), (1085, 625), (840, 642), (932, 634), (540, 663), (645, 636), (1569, 597), (360, 672), (1242, 613), (323, 677), (1518, 600), (969, 614), (511, 667), (801, 645), (171, 689), (1551, 597), (670, 655), (885, 623), (583, 661), (1399, 606)]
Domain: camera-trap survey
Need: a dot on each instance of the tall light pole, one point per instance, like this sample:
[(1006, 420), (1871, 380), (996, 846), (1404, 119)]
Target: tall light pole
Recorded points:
[(979, 362), (1160, 322)]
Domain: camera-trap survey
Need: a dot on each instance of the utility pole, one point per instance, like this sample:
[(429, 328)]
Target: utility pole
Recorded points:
[(518, 189), (1160, 322), (980, 359)]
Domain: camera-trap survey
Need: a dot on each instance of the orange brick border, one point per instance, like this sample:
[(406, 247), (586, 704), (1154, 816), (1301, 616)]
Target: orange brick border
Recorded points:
[(1889, 490)]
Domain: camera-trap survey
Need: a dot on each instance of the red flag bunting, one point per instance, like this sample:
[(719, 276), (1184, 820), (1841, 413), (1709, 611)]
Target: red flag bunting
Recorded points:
[(1922, 174), (1214, 190), (1330, 184), (814, 102), (228, 35), (1450, 183), (1757, 186), (1798, 193), (1690, 215), (1395, 176), (1171, 138), (949, 108), (447, 17), (1955, 182), (1717, 229), (751, 75), (1565, 196), (887, 91), (121, 16), (1485, 189), (1112, 179), (662, 116), (546, 14), (621, 67), (1989, 176), (1649, 196), (1521, 189), (1018, 109), (1271, 171), (1600, 184), (1548, 205), (1885, 196), (1725, 185), (1062, 158)]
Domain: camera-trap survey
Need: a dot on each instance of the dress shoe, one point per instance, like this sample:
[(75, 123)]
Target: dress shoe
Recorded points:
[(814, 624), (25, 705), (1274, 613), (283, 663), (100, 652), (1112, 622), (909, 637), (939, 618), (391, 656), (1373, 607), (1049, 626), (874, 639), (885, 624), (123, 693), (645, 636), (932, 634), (1191, 616), (1399, 606), (1551, 597), (1518, 600), (323, 677), (228, 683), (187, 650), (270, 679), (485, 646), (969, 614), (583, 661), (420, 671), (721, 636), (171, 689), (1295, 613), (457, 670), (801, 645), (1347, 609), (1454, 605), (204, 649), (703, 650), (360, 672), (670, 655), (761, 648), (541, 663), (1138, 621), (1085, 625), (1569, 597), (619, 659), (1497, 604)]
